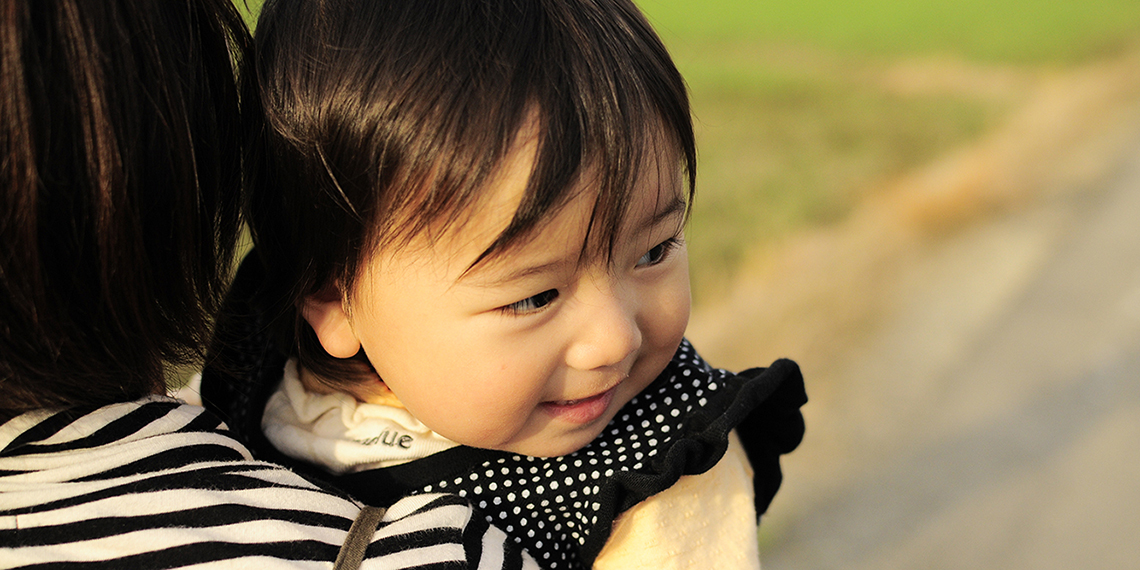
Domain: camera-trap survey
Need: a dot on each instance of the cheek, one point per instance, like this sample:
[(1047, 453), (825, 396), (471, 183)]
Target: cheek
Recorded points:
[(669, 315), (472, 391)]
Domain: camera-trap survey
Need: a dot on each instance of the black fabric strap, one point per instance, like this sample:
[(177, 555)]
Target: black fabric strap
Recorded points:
[(359, 537)]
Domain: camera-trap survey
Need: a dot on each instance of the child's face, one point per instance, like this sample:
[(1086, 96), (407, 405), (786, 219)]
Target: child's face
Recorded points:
[(530, 352)]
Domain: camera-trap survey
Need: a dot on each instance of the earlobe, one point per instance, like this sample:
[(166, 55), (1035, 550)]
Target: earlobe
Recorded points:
[(329, 321)]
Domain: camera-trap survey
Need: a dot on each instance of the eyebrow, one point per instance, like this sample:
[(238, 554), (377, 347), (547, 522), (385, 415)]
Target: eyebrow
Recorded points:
[(517, 275), (676, 206)]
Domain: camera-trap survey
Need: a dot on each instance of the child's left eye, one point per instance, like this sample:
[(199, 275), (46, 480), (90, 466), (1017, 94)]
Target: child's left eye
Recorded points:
[(532, 304), (657, 253)]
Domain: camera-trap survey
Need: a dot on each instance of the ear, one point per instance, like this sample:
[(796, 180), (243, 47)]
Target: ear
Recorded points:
[(325, 313)]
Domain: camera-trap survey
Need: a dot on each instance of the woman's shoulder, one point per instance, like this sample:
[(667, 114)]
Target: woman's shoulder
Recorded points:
[(169, 472)]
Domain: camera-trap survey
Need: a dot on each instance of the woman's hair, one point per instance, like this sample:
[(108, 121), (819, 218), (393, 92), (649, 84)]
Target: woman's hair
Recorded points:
[(120, 136), (386, 118)]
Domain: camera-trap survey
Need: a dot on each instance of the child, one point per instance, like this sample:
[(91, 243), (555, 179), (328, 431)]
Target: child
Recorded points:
[(470, 277)]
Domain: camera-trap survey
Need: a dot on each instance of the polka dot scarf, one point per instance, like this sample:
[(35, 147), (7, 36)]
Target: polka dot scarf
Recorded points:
[(562, 508)]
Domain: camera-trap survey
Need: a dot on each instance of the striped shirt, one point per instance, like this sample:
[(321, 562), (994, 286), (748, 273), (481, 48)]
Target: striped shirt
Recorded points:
[(161, 484)]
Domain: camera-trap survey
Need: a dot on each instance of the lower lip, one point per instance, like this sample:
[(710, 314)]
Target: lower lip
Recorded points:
[(582, 411)]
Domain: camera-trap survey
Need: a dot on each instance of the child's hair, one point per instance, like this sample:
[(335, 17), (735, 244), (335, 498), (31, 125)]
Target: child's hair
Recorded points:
[(386, 118), (120, 139)]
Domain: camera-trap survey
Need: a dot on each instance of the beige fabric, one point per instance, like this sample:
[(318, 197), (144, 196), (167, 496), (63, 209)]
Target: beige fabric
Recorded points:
[(341, 434), (704, 521)]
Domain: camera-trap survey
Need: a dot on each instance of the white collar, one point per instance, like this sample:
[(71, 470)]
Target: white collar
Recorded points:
[(341, 434)]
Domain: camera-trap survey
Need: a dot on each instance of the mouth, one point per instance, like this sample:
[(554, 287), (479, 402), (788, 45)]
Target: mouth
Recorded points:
[(581, 411)]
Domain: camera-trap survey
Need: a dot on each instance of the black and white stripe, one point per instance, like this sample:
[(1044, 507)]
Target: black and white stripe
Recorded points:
[(160, 484)]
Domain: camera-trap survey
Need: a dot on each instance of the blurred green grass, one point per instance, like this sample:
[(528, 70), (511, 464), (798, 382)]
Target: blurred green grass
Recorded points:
[(794, 128), (1017, 31), (782, 152)]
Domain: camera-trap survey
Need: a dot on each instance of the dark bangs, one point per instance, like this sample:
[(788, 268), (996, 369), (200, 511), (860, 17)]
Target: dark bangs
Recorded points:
[(388, 119), (607, 97)]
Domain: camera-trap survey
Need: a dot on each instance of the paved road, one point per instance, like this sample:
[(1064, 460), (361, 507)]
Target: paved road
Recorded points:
[(1008, 394)]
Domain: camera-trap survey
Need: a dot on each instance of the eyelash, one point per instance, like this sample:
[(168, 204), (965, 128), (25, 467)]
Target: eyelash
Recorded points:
[(535, 303), (532, 304), (663, 250)]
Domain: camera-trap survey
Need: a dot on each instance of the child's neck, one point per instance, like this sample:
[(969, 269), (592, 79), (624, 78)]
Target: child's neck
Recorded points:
[(374, 391)]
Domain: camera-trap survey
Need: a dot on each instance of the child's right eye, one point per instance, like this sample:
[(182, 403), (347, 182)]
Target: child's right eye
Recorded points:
[(532, 304)]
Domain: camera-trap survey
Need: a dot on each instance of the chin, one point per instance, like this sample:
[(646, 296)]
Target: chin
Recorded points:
[(564, 446)]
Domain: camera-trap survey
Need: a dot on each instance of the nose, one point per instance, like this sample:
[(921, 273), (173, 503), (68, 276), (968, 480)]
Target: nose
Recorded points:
[(608, 331)]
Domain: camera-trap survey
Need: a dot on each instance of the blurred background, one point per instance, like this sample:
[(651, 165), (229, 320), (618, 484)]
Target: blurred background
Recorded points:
[(934, 207)]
